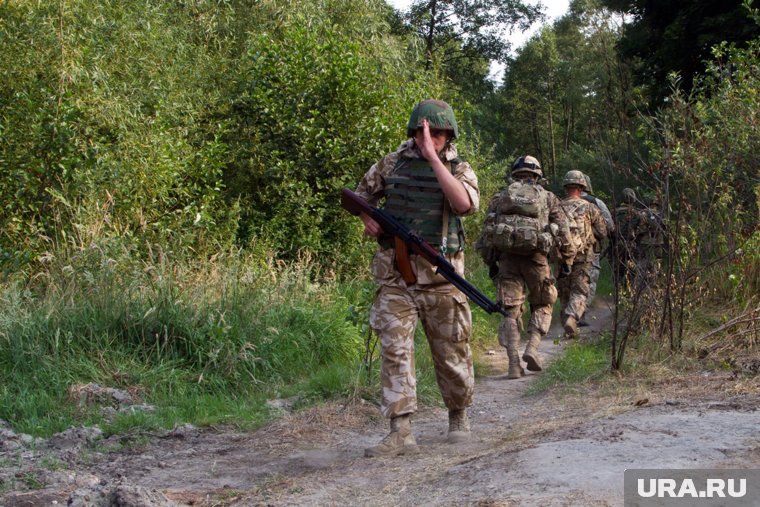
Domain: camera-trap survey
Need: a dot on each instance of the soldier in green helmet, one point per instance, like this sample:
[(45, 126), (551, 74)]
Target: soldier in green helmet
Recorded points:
[(587, 227), (424, 185)]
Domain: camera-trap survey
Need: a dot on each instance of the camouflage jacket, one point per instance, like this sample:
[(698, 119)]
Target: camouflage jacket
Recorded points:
[(372, 188)]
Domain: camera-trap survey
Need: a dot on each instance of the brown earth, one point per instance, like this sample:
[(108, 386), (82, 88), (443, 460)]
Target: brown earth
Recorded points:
[(556, 448)]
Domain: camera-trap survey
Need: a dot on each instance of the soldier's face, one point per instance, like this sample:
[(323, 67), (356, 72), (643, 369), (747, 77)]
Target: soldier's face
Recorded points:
[(439, 137)]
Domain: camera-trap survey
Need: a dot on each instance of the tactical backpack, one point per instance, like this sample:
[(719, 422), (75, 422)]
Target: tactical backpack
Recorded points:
[(576, 211), (519, 221)]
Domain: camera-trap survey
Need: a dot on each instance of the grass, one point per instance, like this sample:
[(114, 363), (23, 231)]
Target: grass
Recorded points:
[(206, 344), (580, 363), (209, 342)]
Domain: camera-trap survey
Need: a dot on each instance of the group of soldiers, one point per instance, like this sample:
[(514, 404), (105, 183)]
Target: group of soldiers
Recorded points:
[(570, 231), (529, 234)]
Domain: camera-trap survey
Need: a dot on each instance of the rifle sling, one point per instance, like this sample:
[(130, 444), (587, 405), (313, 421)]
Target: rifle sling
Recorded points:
[(403, 263)]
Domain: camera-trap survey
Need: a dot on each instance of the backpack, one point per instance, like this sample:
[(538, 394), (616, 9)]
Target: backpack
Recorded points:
[(519, 221), (576, 211)]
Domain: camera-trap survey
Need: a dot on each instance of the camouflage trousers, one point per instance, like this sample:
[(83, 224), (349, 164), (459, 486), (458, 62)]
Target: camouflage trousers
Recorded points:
[(574, 289), (518, 273), (596, 267), (446, 319)]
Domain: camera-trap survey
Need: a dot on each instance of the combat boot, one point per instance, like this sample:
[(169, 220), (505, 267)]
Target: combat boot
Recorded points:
[(571, 327), (459, 426), (531, 355), (399, 441), (515, 369)]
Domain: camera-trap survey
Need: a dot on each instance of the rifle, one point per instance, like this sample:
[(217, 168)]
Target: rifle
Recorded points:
[(355, 205)]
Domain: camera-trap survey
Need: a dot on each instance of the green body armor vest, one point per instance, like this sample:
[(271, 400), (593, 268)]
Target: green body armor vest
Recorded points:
[(414, 197)]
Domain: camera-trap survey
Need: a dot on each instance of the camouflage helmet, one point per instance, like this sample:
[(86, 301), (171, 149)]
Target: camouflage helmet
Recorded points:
[(438, 114), (629, 196), (527, 164), (574, 178), (589, 188)]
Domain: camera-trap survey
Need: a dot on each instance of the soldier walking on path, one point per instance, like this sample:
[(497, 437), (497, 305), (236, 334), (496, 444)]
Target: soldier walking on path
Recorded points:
[(523, 223), (586, 228), (596, 261), (428, 188), (640, 239)]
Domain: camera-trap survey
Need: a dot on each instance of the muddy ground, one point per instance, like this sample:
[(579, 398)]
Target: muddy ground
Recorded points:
[(552, 449)]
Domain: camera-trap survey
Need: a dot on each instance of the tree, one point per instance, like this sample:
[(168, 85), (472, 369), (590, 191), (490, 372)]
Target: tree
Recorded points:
[(468, 29), (677, 36)]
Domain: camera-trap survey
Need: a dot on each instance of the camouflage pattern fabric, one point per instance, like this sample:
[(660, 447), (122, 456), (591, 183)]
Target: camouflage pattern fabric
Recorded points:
[(563, 247), (596, 267), (574, 289), (447, 322), (636, 252), (372, 185), (596, 264), (441, 307), (518, 273), (514, 274)]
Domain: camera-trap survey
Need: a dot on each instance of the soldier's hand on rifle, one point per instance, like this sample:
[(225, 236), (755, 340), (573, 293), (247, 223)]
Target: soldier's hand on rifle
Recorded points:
[(371, 228)]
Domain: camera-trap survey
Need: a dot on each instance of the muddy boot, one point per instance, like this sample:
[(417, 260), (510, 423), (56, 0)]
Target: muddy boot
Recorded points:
[(459, 426), (515, 369), (571, 328), (531, 355), (399, 441)]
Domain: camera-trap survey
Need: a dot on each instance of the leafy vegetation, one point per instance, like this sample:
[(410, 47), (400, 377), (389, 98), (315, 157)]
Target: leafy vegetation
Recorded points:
[(169, 174)]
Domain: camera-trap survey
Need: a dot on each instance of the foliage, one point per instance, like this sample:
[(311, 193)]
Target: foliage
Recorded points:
[(677, 36), (232, 327), (98, 111), (566, 99), (579, 363), (460, 38), (706, 180), (315, 104)]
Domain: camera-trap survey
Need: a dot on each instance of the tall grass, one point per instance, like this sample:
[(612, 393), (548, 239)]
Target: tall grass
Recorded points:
[(202, 342)]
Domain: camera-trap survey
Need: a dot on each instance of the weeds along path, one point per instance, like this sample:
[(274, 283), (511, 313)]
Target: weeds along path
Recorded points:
[(547, 449)]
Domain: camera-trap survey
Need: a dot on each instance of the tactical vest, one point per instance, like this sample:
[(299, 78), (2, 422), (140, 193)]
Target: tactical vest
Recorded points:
[(519, 221), (414, 197), (579, 223)]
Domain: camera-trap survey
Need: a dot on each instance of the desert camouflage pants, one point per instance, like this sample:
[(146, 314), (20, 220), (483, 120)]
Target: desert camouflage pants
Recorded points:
[(596, 267), (447, 322), (574, 289), (518, 273)]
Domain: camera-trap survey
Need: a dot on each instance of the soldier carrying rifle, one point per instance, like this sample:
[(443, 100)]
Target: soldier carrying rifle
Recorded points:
[(427, 188)]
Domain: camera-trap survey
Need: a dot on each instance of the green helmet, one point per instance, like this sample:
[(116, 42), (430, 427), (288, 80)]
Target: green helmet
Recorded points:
[(527, 164), (629, 196), (575, 178), (438, 114), (589, 189)]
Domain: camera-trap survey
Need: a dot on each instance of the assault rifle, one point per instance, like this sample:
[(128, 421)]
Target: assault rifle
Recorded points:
[(355, 205)]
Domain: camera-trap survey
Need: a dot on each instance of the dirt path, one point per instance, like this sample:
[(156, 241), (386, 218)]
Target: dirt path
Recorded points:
[(525, 450)]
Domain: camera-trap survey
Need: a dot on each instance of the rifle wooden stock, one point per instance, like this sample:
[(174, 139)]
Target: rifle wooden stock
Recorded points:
[(355, 205)]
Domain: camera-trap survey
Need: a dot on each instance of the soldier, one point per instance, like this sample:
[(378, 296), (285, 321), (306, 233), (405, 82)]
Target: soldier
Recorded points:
[(639, 240), (596, 261), (586, 228), (428, 188), (523, 223)]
